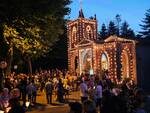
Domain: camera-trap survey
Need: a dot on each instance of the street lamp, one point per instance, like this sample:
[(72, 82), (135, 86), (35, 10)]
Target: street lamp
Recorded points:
[(15, 68), (3, 65)]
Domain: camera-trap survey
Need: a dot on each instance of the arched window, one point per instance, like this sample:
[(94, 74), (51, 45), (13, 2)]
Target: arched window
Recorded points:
[(104, 62), (74, 34), (89, 32)]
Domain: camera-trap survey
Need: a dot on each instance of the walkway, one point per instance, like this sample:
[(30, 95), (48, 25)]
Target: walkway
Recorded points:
[(56, 107)]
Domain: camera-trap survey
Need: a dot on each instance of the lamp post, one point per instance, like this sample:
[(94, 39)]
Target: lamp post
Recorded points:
[(3, 65)]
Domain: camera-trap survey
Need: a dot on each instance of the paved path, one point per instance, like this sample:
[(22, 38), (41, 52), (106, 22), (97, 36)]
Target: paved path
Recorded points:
[(56, 107)]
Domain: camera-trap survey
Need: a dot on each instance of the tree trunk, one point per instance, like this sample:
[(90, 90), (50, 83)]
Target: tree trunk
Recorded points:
[(30, 65), (10, 59)]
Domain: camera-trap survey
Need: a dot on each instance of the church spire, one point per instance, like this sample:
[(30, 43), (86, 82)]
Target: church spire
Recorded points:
[(81, 15)]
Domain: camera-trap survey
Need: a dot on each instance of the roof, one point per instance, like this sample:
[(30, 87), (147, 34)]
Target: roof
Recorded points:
[(115, 38)]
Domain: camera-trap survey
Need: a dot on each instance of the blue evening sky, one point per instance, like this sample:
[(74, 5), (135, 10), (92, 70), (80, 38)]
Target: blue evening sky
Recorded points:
[(130, 10)]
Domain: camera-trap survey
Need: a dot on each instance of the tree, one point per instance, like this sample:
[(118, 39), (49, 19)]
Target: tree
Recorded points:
[(145, 33), (127, 32), (111, 28), (118, 20), (131, 34), (57, 58), (103, 32), (124, 29), (29, 45), (9, 32), (32, 26)]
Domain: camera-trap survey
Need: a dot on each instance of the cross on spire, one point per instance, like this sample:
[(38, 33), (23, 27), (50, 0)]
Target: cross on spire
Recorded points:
[(80, 1)]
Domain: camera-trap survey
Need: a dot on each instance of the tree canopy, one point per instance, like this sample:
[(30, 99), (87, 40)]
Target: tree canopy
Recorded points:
[(145, 33), (112, 28), (32, 26), (118, 28), (103, 32)]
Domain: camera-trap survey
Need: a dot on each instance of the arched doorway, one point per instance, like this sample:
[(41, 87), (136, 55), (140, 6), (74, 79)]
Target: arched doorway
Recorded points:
[(125, 64), (85, 56), (104, 66), (104, 62)]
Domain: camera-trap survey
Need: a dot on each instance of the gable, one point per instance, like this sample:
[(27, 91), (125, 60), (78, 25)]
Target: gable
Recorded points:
[(85, 42), (117, 39)]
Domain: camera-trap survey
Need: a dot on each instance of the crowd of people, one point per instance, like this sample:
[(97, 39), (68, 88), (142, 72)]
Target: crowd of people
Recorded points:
[(108, 98), (96, 95), (25, 87)]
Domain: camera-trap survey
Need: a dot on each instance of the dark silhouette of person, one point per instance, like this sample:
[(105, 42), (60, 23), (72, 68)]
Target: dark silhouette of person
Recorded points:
[(15, 106), (49, 91), (60, 91), (75, 107)]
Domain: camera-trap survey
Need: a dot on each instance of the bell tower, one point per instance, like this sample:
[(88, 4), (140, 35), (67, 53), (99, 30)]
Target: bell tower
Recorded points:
[(81, 29)]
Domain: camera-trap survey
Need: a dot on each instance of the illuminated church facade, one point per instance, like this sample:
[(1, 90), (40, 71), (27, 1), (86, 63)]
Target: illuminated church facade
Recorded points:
[(88, 54)]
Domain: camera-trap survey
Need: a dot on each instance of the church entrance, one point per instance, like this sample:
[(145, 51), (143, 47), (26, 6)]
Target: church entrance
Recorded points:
[(86, 61), (104, 62), (76, 64), (104, 65)]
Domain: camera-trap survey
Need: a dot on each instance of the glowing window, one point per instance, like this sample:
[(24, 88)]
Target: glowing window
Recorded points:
[(89, 32), (74, 33), (104, 62)]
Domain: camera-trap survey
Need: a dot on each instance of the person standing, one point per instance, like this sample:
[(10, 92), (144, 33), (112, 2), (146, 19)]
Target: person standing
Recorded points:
[(99, 94), (30, 90), (4, 98), (60, 91), (34, 93), (22, 87), (49, 91), (83, 91)]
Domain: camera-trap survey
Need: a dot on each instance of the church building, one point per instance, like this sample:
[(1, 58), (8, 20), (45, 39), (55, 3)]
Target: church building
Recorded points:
[(87, 54)]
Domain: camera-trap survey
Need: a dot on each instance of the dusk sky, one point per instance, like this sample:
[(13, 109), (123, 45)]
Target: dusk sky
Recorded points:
[(130, 10)]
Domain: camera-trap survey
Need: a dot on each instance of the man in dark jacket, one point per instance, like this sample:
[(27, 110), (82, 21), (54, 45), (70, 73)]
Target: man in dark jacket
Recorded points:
[(49, 91)]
